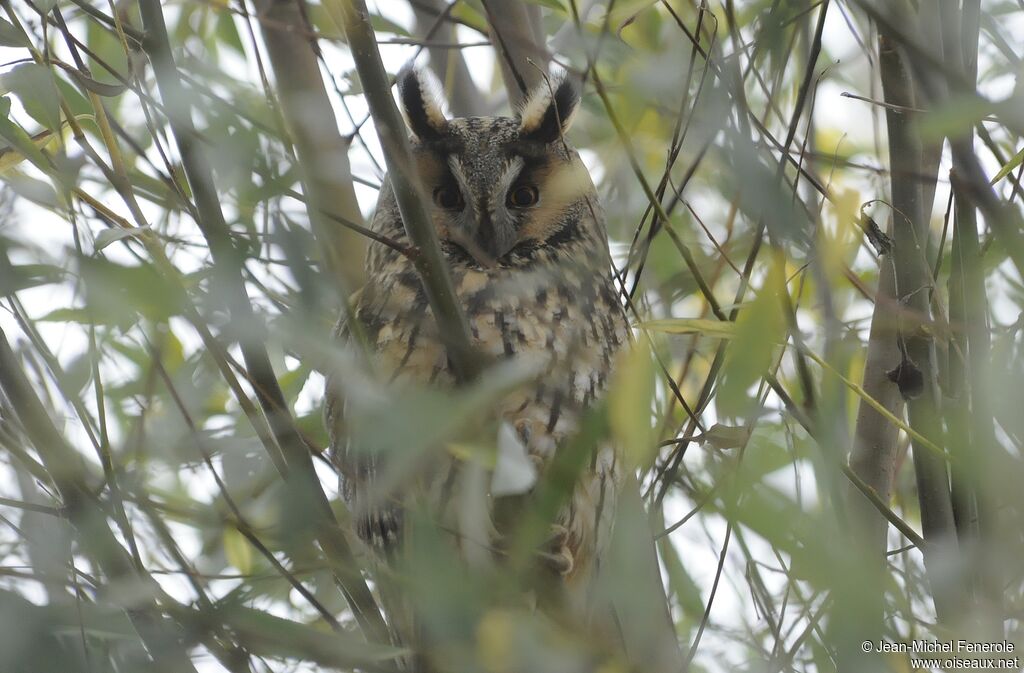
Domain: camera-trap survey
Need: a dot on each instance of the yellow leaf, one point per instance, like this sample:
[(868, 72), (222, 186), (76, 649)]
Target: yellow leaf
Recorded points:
[(630, 396), (898, 663), (719, 329), (1010, 165), (840, 242), (10, 157), (237, 551), (750, 354), (474, 453), (494, 640), (45, 140)]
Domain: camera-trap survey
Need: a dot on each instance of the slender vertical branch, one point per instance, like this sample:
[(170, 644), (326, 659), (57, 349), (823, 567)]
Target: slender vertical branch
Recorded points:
[(970, 359), (875, 451), (916, 373), (936, 82), (228, 273), (514, 28), (321, 151), (448, 64), (354, 19)]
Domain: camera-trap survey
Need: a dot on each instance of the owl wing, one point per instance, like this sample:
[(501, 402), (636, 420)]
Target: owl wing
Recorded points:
[(377, 522)]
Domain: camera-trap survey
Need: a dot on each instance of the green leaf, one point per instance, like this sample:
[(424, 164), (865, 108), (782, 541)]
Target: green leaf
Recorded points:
[(99, 88), (323, 23), (465, 12), (23, 146), (625, 12), (679, 580), (72, 98), (35, 87), (951, 118), (155, 190), (758, 330), (556, 5), (1010, 165), (630, 396), (78, 372), (39, 192), (123, 294), (726, 436), (227, 32), (719, 329), (78, 315), (384, 25), (15, 278), (404, 422), (293, 380), (312, 427), (108, 236), (268, 636), (11, 36), (773, 516), (105, 45), (75, 617)]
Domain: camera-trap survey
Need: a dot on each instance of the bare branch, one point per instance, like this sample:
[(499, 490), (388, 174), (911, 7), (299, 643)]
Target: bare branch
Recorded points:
[(449, 65), (228, 263), (916, 373), (85, 512), (322, 152), (353, 16), (515, 32)]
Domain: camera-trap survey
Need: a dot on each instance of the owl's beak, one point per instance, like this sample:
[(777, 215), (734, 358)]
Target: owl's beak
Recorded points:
[(485, 238), (493, 237)]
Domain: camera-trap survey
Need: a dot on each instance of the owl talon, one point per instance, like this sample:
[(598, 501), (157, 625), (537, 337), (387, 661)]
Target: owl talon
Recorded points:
[(557, 538), (561, 563), (555, 553)]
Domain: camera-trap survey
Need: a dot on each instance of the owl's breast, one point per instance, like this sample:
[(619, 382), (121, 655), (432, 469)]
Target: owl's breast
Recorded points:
[(563, 319), (566, 322)]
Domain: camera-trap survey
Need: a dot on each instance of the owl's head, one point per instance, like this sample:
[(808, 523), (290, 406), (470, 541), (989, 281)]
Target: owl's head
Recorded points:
[(503, 189)]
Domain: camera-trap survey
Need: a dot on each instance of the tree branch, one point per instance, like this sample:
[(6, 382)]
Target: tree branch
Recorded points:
[(322, 153), (971, 417), (354, 19), (516, 34), (917, 371), (228, 266), (449, 65), (874, 455), (875, 450), (86, 514)]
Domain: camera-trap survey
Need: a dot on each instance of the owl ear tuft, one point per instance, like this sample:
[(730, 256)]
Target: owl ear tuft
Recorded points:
[(422, 103), (550, 109)]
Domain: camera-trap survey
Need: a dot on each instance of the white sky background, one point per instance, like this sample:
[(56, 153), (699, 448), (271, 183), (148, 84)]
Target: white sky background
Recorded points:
[(700, 540)]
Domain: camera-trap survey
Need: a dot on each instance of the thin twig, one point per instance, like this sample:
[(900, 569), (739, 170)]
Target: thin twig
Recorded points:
[(430, 263), (227, 268)]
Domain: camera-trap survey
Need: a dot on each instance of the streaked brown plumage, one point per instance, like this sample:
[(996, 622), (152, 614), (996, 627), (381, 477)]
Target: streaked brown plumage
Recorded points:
[(520, 225)]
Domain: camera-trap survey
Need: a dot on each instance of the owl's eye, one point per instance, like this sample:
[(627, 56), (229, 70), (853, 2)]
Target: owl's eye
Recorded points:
[(449, 198), (523, 196)]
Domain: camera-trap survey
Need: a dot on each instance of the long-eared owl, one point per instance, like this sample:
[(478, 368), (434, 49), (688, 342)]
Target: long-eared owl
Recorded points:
[(520, 226)]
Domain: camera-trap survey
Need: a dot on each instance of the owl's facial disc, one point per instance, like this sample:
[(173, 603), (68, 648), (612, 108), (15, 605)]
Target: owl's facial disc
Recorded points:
[(486, 213), (502, 187)]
